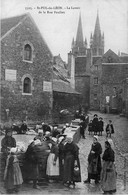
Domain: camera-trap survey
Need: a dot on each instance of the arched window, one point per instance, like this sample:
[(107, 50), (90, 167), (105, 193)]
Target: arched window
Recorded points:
[(27, 85), (96, 81), (27, 52)]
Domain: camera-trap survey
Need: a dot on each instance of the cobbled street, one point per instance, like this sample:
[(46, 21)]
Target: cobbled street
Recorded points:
[(121, 146)]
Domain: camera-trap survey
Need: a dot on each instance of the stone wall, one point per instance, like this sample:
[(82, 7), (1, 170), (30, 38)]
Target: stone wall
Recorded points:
[(111, 84), (39, 102), (125, 96), (82, 85), (96, 72)]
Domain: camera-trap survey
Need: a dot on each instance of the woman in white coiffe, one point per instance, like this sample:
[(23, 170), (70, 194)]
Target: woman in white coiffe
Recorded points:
[(52, 170)]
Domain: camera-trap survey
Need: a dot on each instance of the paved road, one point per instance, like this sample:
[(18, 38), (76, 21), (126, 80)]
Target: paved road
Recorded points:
[(85, 145)]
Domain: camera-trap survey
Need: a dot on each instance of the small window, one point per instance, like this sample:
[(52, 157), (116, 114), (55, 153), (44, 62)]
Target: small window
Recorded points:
[(110, 60), (95, 96), (96, 67), (27, 52), (27, 85), (107, 99), (96, 81)]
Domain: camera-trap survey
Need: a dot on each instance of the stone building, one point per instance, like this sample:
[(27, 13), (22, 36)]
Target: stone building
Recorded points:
[(98, 76), (125, 96), (110, 70), (82, 58), (26, 71), (64, 94)]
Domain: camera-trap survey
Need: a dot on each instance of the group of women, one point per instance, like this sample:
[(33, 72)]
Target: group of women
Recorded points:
[(62, 162), (62, 157), (104, 171)]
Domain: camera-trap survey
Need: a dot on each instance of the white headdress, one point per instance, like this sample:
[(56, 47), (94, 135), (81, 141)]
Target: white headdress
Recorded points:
[(40, 131), (67, 125), (96, 137), (37, 142), (13, 150), (61, 138), (111, 143), (55, 128), (47, 133), (54, 139)]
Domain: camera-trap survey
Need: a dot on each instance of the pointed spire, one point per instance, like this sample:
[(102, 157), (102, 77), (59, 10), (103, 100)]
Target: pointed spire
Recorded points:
[(73, 42), (91, 40), (91, 36), (97, 41), (97, 30), (79, 36), (85, 42)]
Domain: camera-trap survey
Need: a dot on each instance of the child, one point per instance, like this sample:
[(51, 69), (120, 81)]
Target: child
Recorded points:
[(12, 175), (90, 127), (109, 129), (100, 126)]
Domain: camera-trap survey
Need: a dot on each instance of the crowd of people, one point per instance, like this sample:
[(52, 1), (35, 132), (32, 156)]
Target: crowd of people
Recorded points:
[(59, 153), (96, 126), (61, 163)]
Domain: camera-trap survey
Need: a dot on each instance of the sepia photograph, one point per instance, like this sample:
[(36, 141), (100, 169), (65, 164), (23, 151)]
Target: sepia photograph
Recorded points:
[(64, 97)]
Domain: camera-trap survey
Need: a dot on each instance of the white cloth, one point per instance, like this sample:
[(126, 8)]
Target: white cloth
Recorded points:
[(13, 150), (37, 142), (69, 135), (30, 141), (52, 170), (54, 139), (61, 138)]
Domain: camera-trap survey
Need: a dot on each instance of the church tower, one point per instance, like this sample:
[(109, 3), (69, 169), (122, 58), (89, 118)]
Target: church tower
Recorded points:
[(79, 47), (97, 40)]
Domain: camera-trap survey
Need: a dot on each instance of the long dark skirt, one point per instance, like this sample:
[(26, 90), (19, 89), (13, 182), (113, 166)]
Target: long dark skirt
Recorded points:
[(94, 168), (30, 171), (61, 169), (69, 169), (108, 177)]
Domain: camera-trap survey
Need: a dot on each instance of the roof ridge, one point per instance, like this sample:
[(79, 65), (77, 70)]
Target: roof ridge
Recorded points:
[(14, 16), (25, 15)]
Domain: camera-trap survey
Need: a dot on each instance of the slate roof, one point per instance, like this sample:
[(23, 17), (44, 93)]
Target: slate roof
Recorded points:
[(58, 75), (124, 59), (95, 59), (114, 72), (8, 23), (63, 87)]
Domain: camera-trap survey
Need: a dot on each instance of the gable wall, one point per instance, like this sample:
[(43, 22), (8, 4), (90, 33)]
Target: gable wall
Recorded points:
[(40, 70)]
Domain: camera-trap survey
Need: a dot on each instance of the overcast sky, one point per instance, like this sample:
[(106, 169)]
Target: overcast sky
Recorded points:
[(59, 29)]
